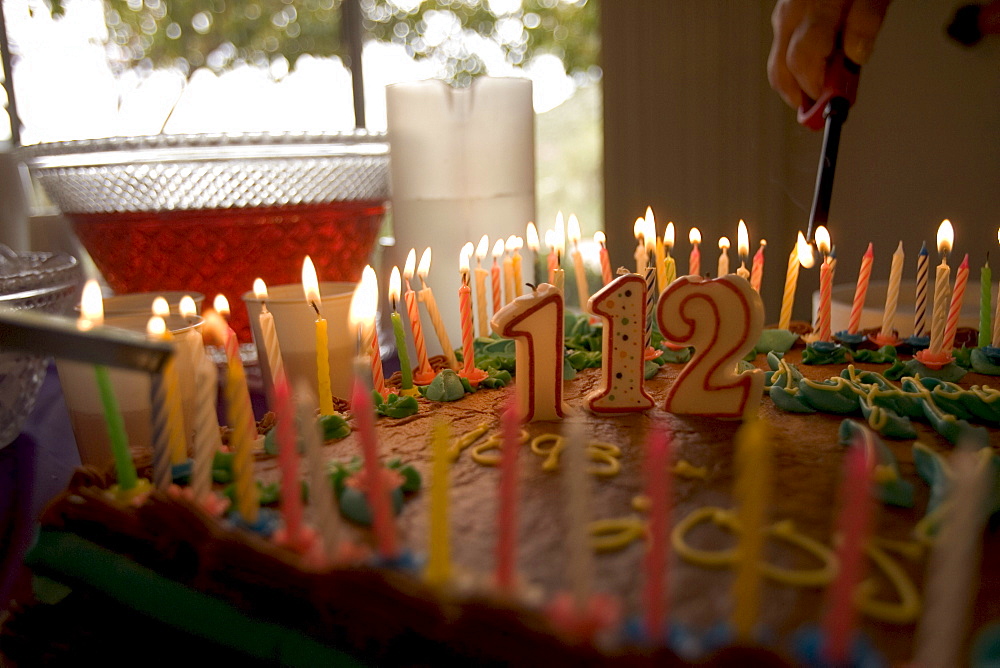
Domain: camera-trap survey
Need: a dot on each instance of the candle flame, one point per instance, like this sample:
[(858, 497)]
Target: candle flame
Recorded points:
[(156, 327), (221, 304), (91, 305), (364, 301), (394, 286), (560, 236), (518, 243), (532, 235), (187, 307), (742, 239), (668, 237), (463, 261), (310, 283), (410, 265), (498, 247), (161, 307), (639, 229), (214, 329), (425, 263), (573, 229), (723, 243), (484, 247), (650, 234), (804, 251), (511, 244), (946, 237), (823, 240), (694, 236), (600, 239), (259, 288)]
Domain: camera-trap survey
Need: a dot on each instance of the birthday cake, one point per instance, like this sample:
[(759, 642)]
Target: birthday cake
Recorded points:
[(171, 558)]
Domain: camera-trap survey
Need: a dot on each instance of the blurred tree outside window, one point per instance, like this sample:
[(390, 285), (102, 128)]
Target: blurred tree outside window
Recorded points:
[(87, 68)]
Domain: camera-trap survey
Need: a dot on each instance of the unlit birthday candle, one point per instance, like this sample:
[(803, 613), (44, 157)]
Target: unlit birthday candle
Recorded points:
[(670, 266), (957, 299), (622, 306), (293, 533), (641, 256), (239, 418), (920, 295), (791, 281), (310, 285), (892, 293), (510, 428), (438, 570), (602, 242), (658, 479), (757, 270), (92, 315), (169, 446), (752, 494), (424, 373), (723, 256), (516, 261), (995, 342), (722, 320), (427, 297), (743, 249), (483, 320), (535, 322), (694, 259), (405, 368), (854, 525), (508, 270), (496, 281), (826, 272), (322, 504), (576, 491), (370, 281), (861, 289), (942, 288), (271, 349), (985, 303), (469, 370), (573, 232)]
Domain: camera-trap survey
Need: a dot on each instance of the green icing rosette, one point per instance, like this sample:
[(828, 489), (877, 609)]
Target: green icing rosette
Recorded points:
[(892, 489)]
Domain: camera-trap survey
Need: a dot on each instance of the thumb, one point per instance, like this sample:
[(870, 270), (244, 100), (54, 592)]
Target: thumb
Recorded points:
[(864, 20)]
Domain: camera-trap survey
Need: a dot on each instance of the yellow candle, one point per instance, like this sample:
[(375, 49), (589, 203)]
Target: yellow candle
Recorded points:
[(509, 281), (573, 232), (518, 244), (559, 244), (670, 267), (800, 250), (310, 284), (752, 493), (438, 570), (942, 289)]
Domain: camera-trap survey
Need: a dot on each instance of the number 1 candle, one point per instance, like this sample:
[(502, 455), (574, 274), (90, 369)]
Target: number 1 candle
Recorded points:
[(310, 285)]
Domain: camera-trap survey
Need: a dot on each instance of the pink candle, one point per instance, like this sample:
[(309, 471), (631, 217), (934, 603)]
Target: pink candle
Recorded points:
[(854, 525), (957, 297), (694, 260), (854, 322), (507, 522), (288, 460), (658, 491), (378, 495), (757, 270)]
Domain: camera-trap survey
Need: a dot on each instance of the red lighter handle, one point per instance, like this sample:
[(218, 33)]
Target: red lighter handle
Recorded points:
[(841, 81)]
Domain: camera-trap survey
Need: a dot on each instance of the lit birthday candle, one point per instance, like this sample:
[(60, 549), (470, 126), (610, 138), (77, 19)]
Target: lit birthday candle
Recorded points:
[(752, 493), (743, 249), (920, 295), (757, 270), (405, 370), (552, 261), (641, 257), (800, 251), (826, 272), (516, 263), (427, 297), (559, 242), (92, 315), (271, 349), (370, 280), (481, 250), (942, 289), (424, 374), (509, 280), (694, 260), (531, 238), (573, 232), (670, 266), (601, 241), (495, 280), (469, 370), (310, 285), (888, 332), (169, 447), (652, 294), (207, 438), (723, 256), (438, 570), (861, 289), (659, 252)]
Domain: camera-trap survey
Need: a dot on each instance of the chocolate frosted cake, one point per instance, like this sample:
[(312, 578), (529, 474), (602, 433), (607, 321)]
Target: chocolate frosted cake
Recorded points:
[(277, 605)]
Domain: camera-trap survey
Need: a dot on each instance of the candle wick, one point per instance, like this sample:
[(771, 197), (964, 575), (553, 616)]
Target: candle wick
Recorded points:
[(316, 308)]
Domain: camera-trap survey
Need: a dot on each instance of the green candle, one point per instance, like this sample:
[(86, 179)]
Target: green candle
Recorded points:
[(985, 286), (116, 430), (404, 357)]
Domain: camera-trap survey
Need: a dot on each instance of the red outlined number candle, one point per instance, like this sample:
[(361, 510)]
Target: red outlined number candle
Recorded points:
[(722, 320), (535, 322), (622, 305)]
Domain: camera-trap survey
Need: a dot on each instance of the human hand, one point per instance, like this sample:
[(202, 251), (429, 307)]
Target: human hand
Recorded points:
[(806, 34)]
